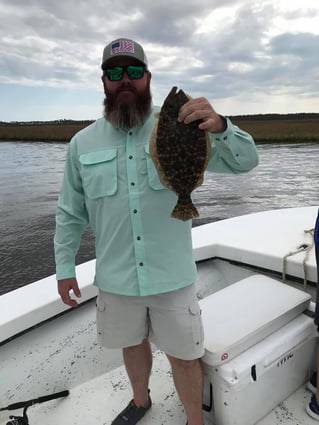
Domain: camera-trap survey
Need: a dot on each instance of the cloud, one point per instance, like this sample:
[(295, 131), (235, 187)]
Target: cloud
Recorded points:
[(228, 50)]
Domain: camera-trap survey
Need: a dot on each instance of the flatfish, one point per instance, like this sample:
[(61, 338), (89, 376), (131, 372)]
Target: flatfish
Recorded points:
[(180, 153)]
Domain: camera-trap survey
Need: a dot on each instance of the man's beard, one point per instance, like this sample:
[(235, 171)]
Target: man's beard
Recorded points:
[(126, 115)]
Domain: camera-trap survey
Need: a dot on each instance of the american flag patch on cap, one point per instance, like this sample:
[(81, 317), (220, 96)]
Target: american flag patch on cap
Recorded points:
[(122, 46)]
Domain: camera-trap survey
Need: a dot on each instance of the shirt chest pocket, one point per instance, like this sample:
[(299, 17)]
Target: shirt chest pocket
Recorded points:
[(99, 173), (153, 178)]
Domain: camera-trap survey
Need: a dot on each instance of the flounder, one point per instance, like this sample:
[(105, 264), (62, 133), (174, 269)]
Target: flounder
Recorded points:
[(180, 153)]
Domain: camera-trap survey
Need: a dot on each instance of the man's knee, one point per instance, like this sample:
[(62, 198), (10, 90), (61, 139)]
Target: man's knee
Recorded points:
[(184, 364), (142, 346)]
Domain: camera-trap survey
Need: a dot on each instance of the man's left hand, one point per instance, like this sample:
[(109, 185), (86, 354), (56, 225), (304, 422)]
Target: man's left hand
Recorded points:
[(200, 109)]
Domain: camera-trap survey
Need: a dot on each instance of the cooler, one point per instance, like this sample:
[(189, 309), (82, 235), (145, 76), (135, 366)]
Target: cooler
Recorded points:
[(259, 348), (244, 313), (248, 387)]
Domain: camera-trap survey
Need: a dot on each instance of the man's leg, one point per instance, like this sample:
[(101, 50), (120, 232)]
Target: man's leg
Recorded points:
[(138, 363), (188, 379)]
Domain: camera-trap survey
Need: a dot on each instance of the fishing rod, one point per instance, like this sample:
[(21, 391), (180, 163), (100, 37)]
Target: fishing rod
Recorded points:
[(23, 420)]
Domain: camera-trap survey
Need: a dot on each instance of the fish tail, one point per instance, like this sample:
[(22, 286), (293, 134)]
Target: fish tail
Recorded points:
[(184, 209)]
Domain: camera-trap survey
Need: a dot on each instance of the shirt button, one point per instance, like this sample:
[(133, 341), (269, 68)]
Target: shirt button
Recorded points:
[(141, 264), (138, 238), (134, 211), (132, 184), (130, 157), (130, 133)]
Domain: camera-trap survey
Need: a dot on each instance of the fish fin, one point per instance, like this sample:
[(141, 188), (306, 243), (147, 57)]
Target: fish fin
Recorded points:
[(154, 156), (184, 209), (209, 149), (152, 142)]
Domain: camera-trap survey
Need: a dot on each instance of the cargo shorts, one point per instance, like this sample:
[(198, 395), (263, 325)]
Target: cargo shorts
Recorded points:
[(172, 321)]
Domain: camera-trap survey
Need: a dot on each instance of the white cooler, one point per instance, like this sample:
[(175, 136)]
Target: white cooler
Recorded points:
[(259, 348)]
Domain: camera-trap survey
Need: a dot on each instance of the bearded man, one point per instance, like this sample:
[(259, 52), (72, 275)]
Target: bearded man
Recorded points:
[(145, 271)]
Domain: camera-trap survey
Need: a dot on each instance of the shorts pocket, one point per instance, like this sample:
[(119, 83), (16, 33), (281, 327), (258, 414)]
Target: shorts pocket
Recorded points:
[(196, 324), (99, 173)]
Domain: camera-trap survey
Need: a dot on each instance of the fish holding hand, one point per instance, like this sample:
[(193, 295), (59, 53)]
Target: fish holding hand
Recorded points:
[(180, 153)]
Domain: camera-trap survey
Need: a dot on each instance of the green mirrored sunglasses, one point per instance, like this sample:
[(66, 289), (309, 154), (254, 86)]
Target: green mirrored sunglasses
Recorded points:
[(134, 72)]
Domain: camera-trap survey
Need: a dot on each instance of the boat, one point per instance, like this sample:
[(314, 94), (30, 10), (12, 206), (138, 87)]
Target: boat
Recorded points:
[(53, 372)]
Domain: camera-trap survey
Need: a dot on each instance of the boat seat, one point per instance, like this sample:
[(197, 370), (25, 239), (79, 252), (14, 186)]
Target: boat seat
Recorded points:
[(239, 316)]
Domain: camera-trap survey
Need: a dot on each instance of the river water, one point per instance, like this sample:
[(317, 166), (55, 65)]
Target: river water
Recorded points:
[(31, 175)]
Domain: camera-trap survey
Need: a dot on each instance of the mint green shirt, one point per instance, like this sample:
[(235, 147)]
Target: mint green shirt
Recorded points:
[(111, 184)]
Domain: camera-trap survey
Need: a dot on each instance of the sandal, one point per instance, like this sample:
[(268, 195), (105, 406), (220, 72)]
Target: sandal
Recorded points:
[(132, 414)]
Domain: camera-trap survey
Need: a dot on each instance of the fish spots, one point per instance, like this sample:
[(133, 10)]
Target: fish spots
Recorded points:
[(180, 153)]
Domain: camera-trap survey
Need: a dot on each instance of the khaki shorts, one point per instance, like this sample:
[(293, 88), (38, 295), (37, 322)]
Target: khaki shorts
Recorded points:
[(172, 321)]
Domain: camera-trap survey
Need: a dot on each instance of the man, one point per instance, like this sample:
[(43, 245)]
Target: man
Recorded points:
[(144, 266), (313, 384)]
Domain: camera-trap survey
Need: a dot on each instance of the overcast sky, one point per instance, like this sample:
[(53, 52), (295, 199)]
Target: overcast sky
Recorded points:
[(245, 56)]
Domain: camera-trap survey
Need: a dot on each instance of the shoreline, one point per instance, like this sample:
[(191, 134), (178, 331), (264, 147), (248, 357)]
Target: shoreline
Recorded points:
[(257, 141), (264, 129)]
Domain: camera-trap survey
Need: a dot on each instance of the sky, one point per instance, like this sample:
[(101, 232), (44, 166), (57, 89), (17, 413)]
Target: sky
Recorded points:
[(244, 56)]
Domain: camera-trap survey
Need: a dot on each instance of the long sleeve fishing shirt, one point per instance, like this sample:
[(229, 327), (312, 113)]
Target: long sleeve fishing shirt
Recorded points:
[(111, 184)]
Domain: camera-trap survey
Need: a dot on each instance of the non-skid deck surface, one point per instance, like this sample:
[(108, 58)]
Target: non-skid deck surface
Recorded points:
[(292, 411), (98, 401)]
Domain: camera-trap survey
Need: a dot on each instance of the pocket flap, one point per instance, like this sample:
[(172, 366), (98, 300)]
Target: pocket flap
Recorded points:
[(100, 304), (97, 157)]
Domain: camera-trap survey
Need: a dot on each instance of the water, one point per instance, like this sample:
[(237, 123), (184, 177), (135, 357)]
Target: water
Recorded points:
[(287, 176), (31, 175)]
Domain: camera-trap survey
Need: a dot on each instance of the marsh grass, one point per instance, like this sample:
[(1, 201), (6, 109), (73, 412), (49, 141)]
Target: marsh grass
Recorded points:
[(45, 132), (281, 130), (263, 130)]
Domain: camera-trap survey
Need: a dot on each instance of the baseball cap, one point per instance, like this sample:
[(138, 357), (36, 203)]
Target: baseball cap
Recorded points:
[(123, 47)]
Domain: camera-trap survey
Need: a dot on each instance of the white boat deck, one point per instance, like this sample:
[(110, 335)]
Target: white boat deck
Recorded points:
[(263, 240), (62, 353), (259, 239), (98, 401)]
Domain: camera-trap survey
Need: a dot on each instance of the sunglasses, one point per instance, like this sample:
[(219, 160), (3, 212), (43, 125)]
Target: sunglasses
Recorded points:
[(134, 72)]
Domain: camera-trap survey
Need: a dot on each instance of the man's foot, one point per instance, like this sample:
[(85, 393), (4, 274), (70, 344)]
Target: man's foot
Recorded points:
[(132, 414)]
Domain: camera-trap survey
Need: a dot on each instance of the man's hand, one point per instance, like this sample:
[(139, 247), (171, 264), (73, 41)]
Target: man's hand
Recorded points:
[(201, 109), (64, 288)]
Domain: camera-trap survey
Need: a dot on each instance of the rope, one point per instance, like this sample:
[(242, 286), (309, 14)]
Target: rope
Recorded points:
[(304, 263), (302, 248)]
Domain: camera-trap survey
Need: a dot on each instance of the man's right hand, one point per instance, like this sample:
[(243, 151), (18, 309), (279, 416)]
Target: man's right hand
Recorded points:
[(64, 288)]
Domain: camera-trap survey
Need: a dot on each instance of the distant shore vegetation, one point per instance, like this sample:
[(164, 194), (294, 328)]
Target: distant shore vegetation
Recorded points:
[(265, 128)]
